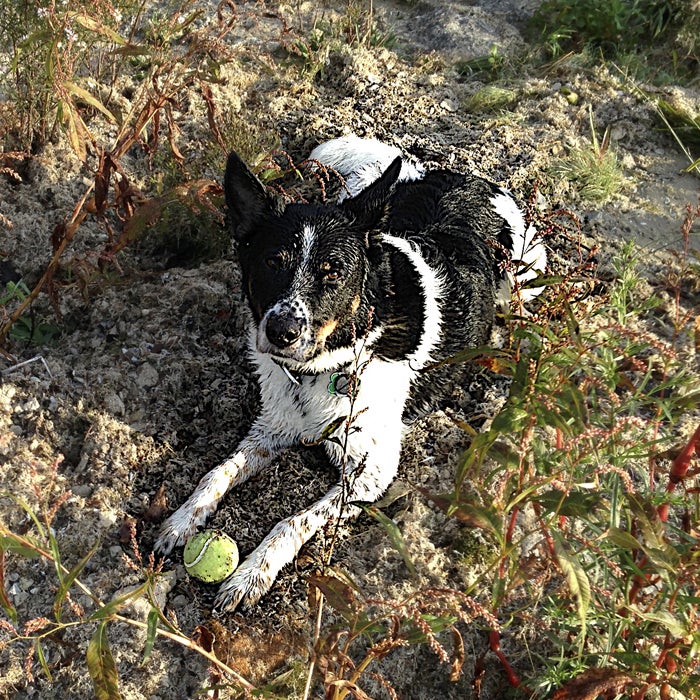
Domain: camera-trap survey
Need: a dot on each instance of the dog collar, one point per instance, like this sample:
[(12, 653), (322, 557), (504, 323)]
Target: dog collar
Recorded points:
[(339, 383)]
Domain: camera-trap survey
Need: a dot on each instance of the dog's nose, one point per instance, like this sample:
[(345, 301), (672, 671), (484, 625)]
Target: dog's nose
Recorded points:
[(284, 329)]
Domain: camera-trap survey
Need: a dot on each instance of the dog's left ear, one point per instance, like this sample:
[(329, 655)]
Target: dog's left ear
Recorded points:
[(246, 197), (369, 206)]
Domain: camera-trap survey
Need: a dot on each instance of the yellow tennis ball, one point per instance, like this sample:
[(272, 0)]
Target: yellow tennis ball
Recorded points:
[(211, 556)]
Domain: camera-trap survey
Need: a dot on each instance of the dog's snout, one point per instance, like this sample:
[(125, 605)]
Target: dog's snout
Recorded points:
[(284, 329)]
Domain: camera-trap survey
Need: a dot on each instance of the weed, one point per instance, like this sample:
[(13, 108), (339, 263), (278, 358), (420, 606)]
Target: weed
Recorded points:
[(26, 329), (614, 27), (594, 544), (593, 170), (38, 635)]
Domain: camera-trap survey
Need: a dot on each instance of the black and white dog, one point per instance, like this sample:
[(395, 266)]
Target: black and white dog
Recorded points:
[(349, 302)]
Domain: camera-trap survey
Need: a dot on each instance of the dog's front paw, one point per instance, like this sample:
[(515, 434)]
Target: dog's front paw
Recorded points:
[(243, 588), (177, 529)]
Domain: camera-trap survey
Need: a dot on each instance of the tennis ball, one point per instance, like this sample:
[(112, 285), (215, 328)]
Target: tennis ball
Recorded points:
[(210, 556)]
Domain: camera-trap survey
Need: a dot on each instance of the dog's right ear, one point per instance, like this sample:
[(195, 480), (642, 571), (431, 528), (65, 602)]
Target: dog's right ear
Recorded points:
[(246, 197)]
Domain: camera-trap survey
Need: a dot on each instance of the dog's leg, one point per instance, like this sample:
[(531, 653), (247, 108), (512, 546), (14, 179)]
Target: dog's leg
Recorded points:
[(258, 572), (253, 454)]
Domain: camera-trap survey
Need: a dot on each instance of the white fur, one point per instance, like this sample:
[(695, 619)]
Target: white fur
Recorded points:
[(368, 462), (528, 250), (432, 286), (362, 161)]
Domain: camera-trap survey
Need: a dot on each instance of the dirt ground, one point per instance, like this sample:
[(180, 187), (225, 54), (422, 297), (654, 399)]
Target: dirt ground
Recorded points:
[(148, 385)]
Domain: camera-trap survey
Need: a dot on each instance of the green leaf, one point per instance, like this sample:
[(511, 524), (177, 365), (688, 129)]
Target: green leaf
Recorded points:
[(94, 25), (68, 580), (102, 667), (574, 504), (473, 514), (622, 538), (87, 97), (42, 659), (114, 605), (510, 420), (663, 618), (18, 545), (577, 579), (4, 598), (151, 631), (394, 533)]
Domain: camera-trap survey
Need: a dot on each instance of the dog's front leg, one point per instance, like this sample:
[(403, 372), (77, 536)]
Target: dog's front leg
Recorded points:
[(253, 454), (364, 482)]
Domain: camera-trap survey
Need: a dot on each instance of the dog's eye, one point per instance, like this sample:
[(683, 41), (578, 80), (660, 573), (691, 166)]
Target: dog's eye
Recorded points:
[(330, 274), (275, 261)]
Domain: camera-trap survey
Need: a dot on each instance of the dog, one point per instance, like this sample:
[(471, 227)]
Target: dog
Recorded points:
[(349, 302)]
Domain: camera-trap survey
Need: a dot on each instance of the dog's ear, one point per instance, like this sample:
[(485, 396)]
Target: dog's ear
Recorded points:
[(369, 206), (246, 197)]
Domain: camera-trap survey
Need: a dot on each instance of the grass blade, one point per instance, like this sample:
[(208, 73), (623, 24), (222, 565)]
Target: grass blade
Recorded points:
[(4, 598), (394, 533), (68, 579), (577, 579)]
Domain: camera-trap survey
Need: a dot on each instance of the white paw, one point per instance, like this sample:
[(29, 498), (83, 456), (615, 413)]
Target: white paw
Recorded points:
[(178, 528), (244, 587)]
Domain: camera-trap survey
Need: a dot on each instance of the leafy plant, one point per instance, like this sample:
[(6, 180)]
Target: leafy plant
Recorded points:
[(37, 635), (613, 26), (27, 328), (575, 484)]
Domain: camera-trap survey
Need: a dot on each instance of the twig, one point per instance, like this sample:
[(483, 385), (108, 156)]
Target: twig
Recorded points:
[(40, 358)]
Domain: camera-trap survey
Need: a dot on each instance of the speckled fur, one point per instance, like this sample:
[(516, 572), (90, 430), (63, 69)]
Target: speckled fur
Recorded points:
[(401, 274)]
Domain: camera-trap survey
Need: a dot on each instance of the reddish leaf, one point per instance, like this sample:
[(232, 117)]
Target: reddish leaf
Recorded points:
[(593, 683)]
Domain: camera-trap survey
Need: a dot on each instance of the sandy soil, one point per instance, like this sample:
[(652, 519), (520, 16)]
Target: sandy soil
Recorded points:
[(147, 384)]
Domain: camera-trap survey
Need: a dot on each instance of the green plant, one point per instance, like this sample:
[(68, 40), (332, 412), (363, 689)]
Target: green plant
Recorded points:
[(613, 26), (576, 485), (36, 636), (27, 328), (593, 170)]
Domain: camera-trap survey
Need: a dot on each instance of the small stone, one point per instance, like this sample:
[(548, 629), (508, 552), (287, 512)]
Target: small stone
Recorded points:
[(147, 376)]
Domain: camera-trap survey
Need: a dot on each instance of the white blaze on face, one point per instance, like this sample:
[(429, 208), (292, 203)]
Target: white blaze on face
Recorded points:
[(293, 301)]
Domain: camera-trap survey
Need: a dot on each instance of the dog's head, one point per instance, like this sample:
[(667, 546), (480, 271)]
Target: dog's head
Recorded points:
[(305, 266)]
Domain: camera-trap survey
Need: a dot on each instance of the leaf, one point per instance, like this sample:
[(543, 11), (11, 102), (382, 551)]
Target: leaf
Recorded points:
[(474, 514), (68, 579), (102, 667), (98, 27), (340, 596), (151, 631), (74, 128), (114, 605), (663, 618), (574, 504), (4, 598), (593, 683), (19, 545), (394, 533), (510, 420), (622, 538), (576, 577), (42, 659), (87, 97)]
